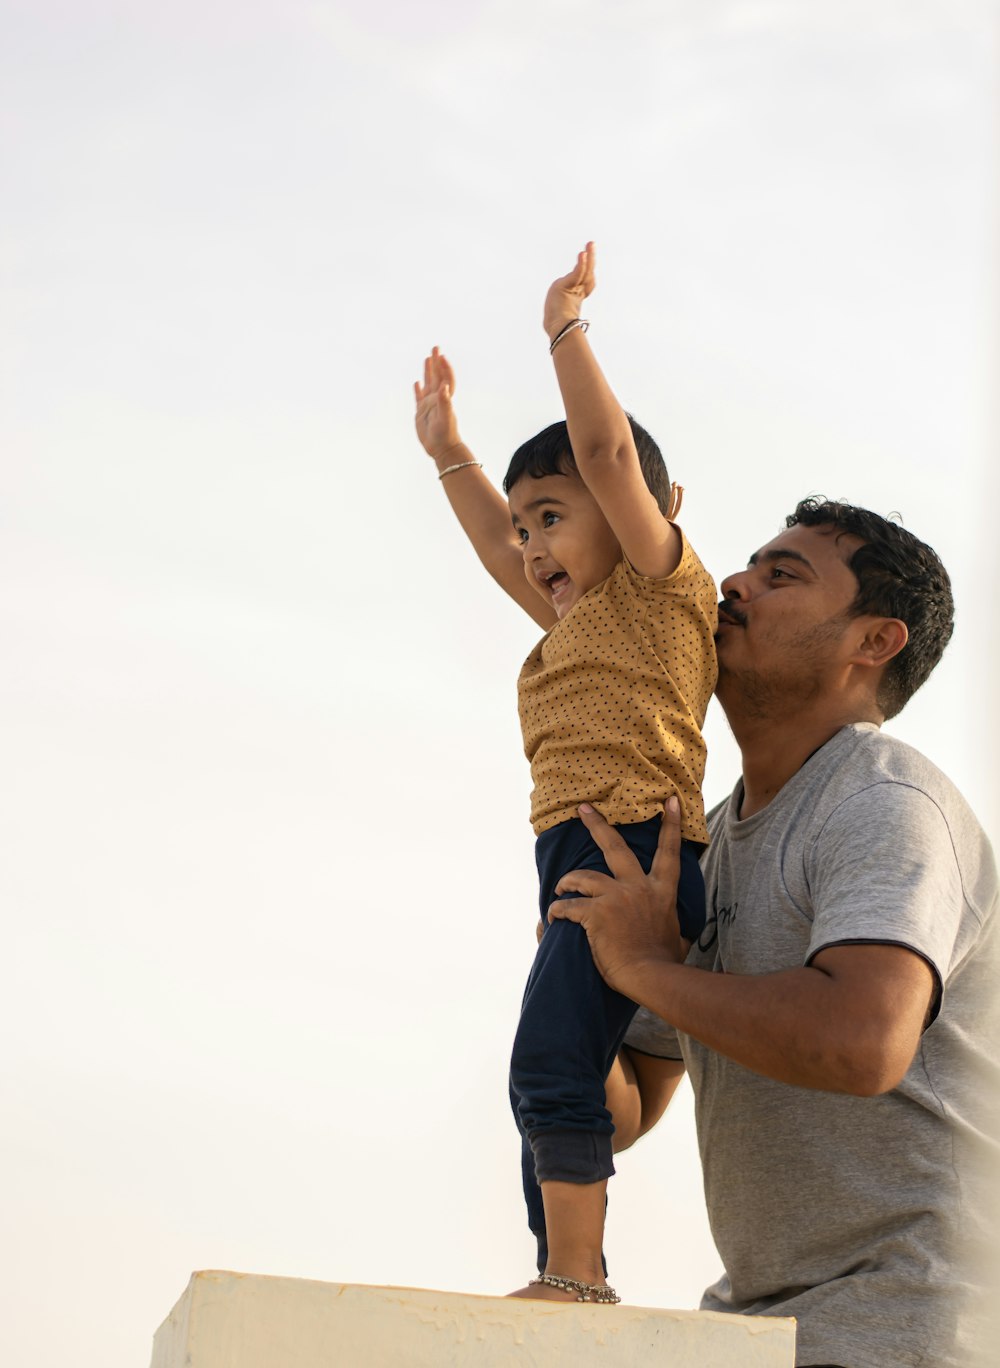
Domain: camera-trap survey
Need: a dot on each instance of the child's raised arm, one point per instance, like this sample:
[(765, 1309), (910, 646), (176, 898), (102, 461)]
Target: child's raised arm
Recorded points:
[(481, 509), (599, 431)]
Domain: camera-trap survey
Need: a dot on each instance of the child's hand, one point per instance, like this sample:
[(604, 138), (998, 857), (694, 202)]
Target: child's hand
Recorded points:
[(437, 426), (566, 295)]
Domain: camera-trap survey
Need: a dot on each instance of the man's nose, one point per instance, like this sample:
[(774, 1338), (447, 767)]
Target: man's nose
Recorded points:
[(736, 587)]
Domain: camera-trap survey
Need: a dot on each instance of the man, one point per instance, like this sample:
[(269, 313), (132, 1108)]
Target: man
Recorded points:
[(838, 1018)]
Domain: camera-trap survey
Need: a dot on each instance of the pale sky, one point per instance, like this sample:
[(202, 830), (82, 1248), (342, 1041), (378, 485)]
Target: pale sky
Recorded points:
[(267, 876)]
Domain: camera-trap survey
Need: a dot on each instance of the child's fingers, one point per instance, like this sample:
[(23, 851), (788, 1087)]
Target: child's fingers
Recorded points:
[(589, 266), (439, 367), (576, 275), (584, 274), (581, 278)]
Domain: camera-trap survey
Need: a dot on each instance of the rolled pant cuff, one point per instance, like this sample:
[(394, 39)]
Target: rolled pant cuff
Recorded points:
[(571, 1156)]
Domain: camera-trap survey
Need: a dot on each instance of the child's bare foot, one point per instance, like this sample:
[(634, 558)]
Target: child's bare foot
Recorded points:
[(542, 1292)]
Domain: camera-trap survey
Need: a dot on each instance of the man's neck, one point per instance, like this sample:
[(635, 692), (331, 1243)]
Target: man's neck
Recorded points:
[(775, 749)]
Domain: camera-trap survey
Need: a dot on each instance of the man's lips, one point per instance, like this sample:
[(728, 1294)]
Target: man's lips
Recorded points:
[(728, 612)]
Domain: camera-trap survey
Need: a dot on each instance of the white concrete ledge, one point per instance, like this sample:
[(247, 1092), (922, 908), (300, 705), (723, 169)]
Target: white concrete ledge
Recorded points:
[(239, 1320)]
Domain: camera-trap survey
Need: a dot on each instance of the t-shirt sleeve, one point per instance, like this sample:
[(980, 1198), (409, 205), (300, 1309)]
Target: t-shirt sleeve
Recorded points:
[(884, 871), (688, 580), (651, 1035)]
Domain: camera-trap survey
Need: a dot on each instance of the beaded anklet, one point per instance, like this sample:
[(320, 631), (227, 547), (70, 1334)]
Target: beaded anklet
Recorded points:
[(586, 1292)]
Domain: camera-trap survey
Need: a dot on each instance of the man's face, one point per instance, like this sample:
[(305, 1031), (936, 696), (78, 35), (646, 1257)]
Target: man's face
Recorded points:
[(784, 630)]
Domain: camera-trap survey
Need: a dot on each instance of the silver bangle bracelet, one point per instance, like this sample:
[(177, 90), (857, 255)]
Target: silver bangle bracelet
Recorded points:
[(582, 323), (460, 466)]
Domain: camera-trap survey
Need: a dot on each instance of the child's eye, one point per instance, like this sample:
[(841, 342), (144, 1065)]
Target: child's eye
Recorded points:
[(549, 518)]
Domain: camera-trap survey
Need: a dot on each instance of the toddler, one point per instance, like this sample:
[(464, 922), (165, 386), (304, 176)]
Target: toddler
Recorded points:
[(612, 701)]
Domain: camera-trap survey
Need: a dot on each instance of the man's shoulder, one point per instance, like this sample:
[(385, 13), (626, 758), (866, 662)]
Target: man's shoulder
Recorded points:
[(875, 799), (862, 758), (881, 754), (867, 772)]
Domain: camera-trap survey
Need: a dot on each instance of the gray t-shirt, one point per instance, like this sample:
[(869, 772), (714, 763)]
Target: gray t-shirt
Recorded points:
[(869, 1219)]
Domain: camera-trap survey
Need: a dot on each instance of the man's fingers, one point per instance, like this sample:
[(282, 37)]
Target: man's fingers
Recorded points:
[(569, 909), (620, 859), (667, 859), (589, 883)]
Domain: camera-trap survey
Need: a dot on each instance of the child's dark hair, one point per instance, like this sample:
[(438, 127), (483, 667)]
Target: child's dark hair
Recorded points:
[(549, 453)]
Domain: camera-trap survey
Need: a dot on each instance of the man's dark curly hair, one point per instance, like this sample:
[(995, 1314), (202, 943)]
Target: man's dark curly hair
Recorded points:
[(549, 453), (898, 576)]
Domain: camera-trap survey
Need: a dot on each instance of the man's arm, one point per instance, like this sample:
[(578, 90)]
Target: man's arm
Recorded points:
[(600, 435), (849, 1022), (480, 509)]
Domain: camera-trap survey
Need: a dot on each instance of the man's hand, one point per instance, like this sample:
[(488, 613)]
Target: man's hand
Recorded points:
[(437, 426), (630, 918), (566, 295)]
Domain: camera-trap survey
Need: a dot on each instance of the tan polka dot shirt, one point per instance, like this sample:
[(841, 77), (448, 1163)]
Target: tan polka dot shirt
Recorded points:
[(612, 699)]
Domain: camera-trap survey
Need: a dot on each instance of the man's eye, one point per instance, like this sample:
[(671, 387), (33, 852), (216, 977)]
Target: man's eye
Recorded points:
[(777, 571)]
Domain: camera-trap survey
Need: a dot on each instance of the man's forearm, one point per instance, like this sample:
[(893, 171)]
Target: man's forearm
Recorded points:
[(850, 1023)]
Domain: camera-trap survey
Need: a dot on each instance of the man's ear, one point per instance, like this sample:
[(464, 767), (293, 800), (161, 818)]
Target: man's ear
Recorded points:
[(883, 639)]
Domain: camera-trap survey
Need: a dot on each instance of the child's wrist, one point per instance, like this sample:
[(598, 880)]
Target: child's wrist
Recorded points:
[(555, 325), (568, 329), (458, 451)]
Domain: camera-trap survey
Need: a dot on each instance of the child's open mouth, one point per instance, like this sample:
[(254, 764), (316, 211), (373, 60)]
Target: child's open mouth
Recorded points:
[(557, 582)]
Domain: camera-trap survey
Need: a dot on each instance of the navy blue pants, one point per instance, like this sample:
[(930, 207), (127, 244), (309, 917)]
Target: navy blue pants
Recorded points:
[(572, 1024)]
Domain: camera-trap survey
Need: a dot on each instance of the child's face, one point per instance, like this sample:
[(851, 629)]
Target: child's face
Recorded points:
[(567, 542)]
